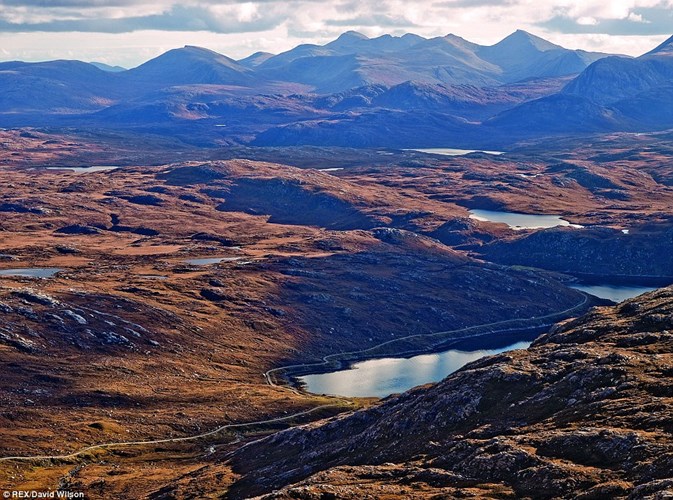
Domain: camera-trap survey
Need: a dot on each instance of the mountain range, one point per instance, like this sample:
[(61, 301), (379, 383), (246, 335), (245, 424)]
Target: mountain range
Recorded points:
[(406, 91)]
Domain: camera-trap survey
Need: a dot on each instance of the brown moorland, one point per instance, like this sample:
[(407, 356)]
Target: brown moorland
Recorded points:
[(129, 341)]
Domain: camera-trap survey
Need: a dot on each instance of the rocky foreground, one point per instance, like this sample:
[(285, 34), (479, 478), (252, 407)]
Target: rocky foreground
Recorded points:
[(585, 412)]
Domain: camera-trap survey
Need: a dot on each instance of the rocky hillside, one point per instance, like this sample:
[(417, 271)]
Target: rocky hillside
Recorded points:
[(595, 251), (585, 412)]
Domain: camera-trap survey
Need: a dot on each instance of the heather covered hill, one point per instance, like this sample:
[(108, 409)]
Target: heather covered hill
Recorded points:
[(584, 412), (180, 273)]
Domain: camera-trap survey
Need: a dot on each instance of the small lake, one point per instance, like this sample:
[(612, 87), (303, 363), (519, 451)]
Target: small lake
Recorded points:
[(455, 152), (519, 221), (210, 260), (31, 272), (386, 376), (615, 293), (84, 170)]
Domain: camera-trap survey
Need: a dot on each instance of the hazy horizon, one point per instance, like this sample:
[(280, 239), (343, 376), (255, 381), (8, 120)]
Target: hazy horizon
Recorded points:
[(124, 33), (103, 60)]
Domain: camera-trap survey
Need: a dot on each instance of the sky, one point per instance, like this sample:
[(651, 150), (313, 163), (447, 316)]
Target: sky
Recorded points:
[(129, 32)]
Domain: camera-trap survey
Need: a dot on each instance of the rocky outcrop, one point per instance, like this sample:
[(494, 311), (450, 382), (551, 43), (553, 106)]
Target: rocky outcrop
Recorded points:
[(585, 412), (593, 251), (78, 229), (291, 202), (20, 208), (189, 175)]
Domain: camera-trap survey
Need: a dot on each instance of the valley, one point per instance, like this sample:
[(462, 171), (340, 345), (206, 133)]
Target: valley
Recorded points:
[(217, 275), (555, 420), (169, 289)]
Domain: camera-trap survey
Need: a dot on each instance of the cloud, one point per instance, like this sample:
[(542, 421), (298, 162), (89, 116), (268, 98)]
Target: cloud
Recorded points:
[(228, 18), (239, 26), (239, 16), (642, 21), (378, 20), (474, 3), (587, 21)]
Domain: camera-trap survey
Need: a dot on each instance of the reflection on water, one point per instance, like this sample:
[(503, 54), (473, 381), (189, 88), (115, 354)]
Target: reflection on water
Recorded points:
[(31, 272), (615, 293), (84, 170), (211, 260), (455, 152), (519, 221), (382, 377)]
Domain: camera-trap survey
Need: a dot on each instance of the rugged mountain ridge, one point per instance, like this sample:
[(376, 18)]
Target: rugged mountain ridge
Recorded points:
[(400, 92), (612, 94), (354, 60), (351, 61), (585, 412), (666, 48)]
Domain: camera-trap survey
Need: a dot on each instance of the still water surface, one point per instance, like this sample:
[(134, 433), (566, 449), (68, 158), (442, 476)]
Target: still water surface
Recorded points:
[(455, 152), (84, 170), (211, 260), (385, 376), (518, 221), (615, 293), (31, 272)]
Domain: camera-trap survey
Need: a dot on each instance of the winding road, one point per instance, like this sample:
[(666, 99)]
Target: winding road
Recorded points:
[(167, 440), (268, 375), (330, 358)]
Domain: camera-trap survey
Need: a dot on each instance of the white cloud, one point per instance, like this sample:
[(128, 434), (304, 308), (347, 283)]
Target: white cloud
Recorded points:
[(127, 32), (587, 21), (614, 9), (636, 18), (627, 45)]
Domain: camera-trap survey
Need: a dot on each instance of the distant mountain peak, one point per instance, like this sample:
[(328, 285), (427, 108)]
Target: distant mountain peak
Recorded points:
[(523, 34), (255, 59), (521, 37), (452, 36), (348, 38), (193, 65), (665, 49), (353, 42), (107, 67), (261, 54), (352, 35), (459, 41), (197, 49), (195, 52)]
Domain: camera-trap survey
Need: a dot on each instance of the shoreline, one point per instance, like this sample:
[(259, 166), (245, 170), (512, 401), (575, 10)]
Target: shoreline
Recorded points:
[(286, 376), (518, 335)]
